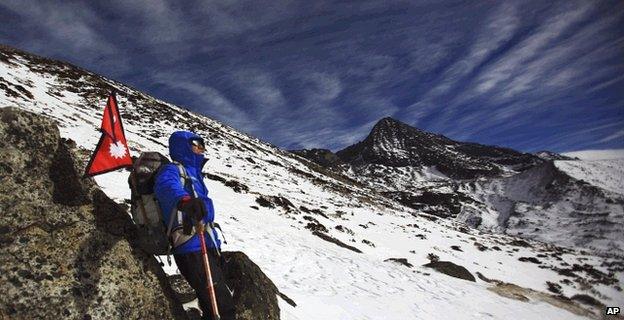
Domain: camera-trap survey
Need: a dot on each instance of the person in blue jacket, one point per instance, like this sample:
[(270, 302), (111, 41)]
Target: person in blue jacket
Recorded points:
[(191, 204)]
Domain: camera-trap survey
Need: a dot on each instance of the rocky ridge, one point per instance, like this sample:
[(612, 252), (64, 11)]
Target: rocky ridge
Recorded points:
[(392, 143), (491, 188)]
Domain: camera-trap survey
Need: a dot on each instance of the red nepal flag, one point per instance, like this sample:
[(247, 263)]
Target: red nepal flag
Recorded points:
[(112, 151)]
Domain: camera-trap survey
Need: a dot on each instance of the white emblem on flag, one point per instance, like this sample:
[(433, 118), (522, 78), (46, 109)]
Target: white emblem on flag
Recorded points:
[(117, 150)]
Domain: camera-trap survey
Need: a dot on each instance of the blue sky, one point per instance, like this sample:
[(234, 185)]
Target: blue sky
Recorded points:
[(529, 75)]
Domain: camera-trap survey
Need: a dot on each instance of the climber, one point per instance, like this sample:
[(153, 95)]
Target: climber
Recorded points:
[(188, 198)]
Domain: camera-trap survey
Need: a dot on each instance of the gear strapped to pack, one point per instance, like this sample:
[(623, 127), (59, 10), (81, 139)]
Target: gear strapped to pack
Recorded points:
[(177, 236), (154, 235)]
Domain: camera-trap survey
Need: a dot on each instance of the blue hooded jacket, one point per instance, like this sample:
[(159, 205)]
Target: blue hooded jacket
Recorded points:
[(168, 188)]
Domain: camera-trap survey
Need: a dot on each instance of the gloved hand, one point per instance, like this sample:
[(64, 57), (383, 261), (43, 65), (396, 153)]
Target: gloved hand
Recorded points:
[(194, 208)]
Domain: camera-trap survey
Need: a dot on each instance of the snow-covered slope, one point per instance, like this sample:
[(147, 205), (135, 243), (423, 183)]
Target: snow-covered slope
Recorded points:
[(546, 204), (288, 214), (597, 154), (606, 174), (488, 187)]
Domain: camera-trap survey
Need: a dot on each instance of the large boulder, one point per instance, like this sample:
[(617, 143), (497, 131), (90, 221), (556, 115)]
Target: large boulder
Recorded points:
[(451, 269), (66, 249), (255, 295)]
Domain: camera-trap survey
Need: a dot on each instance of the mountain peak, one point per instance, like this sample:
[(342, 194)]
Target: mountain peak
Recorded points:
[(390, 127), (388, 122), (393, 143)]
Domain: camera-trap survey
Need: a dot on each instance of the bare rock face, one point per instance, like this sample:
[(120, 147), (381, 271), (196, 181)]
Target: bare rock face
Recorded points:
[(451, 269), (255, 295), (66, 249)]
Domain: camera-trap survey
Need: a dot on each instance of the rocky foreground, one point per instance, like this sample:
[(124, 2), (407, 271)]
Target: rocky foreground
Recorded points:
[(67, 250)]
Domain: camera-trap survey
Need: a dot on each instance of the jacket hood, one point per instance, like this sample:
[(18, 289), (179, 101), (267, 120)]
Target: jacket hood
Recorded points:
[(180, 149)]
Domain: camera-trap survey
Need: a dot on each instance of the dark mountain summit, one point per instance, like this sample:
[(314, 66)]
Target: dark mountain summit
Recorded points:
[(393, 143)]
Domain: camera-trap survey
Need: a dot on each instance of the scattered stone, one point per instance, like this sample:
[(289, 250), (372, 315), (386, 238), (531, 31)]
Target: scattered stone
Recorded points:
[(520, 243), (457, 248), (273, 201), (433, 257), (554, 287), (484, 278), (464, 230), (315, 226), (319, 212), (237, 186), (402, 261), (344, 229), (530, 259), (588, 300), (264, 202), (335, 241), (275, 163), (215, 177), (283, 202), (566, 272), (367, 242)]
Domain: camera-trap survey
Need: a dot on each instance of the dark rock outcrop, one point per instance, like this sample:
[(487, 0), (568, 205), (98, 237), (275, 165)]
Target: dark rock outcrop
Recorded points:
[(335, 241), (323, 157), (402, 261), (255, 295), (451, 269), (183, 290), (66, 249)]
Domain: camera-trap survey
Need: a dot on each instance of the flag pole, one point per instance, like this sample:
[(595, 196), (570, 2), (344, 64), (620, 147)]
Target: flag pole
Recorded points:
[(213, 297)]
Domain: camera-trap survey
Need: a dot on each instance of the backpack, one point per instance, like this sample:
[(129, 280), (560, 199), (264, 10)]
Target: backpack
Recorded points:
[(152, 232)]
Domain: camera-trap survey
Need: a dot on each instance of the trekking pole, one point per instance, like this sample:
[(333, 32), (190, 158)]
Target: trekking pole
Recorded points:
[(213, 297)]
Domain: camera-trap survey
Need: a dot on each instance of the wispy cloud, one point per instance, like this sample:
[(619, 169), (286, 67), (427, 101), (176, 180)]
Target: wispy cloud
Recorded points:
[(611, 137), (260, 86), (322, 87), (322, 73), (213, 102), (69, 24), (510, 66)]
